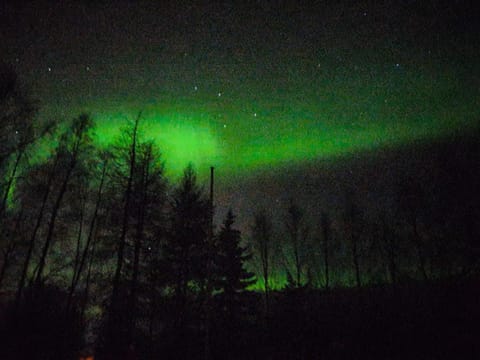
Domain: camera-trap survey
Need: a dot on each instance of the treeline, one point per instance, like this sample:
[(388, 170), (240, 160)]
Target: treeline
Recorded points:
[(99, 249), (99, 238)]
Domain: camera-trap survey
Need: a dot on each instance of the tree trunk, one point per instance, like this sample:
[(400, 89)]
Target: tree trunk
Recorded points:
[(138, 246), (389, 244), (418, 245), (10, 247), (78, 271), (3, 206), (355, 260), (123, 234), (297, 260), (326, 239), (265, 276), (6, 261), (86, 293), (31, 244), (53, 218), (79, 238)]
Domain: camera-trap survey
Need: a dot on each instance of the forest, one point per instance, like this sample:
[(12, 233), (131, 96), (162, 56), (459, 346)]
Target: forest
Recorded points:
[(104, 256)]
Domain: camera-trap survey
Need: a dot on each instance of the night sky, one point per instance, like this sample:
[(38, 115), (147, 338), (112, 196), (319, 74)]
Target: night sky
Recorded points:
[(284, 100)]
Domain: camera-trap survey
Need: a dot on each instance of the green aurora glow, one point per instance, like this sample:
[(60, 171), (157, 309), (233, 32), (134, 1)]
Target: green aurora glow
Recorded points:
[(335, 116), (297, 85)]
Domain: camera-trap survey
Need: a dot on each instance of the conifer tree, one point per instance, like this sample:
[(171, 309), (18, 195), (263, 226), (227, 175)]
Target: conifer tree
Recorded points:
[(233, 278), (185, 246)]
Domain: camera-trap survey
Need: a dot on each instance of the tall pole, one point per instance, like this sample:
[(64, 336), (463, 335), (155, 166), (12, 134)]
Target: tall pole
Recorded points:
[(208, 309), (211, 203)]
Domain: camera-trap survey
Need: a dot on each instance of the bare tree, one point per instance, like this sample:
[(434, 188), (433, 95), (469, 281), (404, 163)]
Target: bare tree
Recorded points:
[(326, 237), (72, 146), (125, 167), (261, 237), (389, 248), (82, 255), (33, 238), (352, 222), (411, 200), (10, 234), (149, 191), (298, 232)]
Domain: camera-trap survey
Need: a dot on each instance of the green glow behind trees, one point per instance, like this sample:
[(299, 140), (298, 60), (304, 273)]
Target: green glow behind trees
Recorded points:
[(339, 112)]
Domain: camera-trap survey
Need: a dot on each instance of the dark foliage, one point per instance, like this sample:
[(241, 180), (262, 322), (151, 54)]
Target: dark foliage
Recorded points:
[(232, 278), (38, 329)]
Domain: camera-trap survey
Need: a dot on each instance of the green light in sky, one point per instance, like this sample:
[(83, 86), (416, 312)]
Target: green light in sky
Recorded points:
[(182, 139), (255, 126)]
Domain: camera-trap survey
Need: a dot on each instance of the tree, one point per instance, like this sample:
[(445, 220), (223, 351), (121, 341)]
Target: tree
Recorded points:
[(297, 231), (390, 248), (81, 256), (123, 177), (326, 237), (148, 200), (74, 143), (261, 237), (10, 239), (37, 175), (185, 247), (352, 222), (17, 112), (19, 129), (412, 198), (230, 260)]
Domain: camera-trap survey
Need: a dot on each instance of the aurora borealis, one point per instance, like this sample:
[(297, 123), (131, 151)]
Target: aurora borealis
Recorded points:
[(282, 100), (214, 90), (329, 121), (239, 179)]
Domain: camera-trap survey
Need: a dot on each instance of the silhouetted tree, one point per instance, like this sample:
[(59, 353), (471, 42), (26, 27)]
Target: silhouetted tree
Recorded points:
[(125, 162), (230, 260), (17, 112), (10, 238), (390, 248), (297, 230), (37, 174), (148, 200), (411, 200), (261, 238), (326, 237), (81, 254), (186, 239), (352, 222), (19, 130), (74, 143)]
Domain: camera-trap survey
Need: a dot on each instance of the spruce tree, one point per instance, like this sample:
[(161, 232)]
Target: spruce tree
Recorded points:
[(185, 248), (233, 278)]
